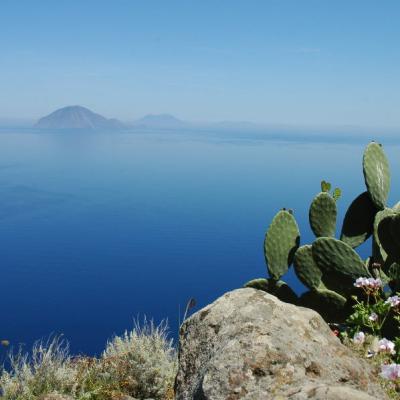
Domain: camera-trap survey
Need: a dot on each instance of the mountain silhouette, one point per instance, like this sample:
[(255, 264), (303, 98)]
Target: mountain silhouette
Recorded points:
[(159, 121), (77, 117)]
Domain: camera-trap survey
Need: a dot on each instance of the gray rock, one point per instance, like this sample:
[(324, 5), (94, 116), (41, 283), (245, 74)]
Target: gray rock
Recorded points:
[(250, 345)]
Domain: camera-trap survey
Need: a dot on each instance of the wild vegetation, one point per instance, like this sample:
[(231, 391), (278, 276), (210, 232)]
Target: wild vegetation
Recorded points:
[(141, 363), (358, 297)]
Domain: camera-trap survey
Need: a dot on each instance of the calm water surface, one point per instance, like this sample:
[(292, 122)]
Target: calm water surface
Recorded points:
[(98, 229)]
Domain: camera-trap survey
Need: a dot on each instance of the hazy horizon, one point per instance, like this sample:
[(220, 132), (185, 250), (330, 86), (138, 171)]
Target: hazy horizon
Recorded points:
[(294, 63), (351, 128)]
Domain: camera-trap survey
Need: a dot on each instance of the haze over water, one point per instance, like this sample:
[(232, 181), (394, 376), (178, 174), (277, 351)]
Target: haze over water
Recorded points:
[(97, 229)]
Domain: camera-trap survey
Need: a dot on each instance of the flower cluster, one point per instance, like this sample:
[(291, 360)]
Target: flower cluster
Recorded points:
[(373, 317), (386, 346), (390, 371), (359, 338), (394, 301), (368, 326), (368, 283)]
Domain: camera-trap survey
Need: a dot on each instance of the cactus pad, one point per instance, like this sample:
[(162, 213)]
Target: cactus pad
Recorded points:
[(376, 174), (281, 242), (306, 269), (323, 214), (258, 283), (338, 259), (394, 271), (395, 229), (336, 194), (394, 276), (359, 221), (280, 289), (384, 232), (325, 186), (388, 244), (329, 304)]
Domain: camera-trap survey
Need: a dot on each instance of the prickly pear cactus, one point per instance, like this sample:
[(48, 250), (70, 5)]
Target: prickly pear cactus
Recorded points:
[(395, 228), (386, 241), (330, 266), (258, 283), (382, 231), (306, 269), (394, 276), (281, 242), (325, 186), (396, 207), (278, 288), (329, 304), (337, 259), (322, 215), (358, 222), (376, 174)]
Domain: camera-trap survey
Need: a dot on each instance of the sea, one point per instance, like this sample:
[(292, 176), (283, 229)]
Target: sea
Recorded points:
[(102, 229)]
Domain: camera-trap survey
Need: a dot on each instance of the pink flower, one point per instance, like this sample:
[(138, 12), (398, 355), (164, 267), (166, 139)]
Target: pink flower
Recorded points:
[(374, 283), (368, 283), (361, 282), (394, 301), (359, 338), (373, 317), (386, 346), (390, 371)]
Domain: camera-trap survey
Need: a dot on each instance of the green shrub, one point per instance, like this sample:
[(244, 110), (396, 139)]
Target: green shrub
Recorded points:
[(141, 363)]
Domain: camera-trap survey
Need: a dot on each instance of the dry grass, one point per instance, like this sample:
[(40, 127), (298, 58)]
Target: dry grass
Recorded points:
[(141, 363)]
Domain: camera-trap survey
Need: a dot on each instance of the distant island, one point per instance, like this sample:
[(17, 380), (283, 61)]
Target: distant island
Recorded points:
[(160, 121), (77, 117)]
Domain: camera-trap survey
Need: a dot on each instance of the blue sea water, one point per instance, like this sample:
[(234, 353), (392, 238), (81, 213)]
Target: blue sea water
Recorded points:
[(97, 229)]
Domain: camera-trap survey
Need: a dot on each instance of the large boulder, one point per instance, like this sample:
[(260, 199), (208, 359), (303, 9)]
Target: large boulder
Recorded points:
[(250, 345)]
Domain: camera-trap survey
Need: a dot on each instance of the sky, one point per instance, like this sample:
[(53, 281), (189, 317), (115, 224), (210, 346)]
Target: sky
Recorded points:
[(315, 62)]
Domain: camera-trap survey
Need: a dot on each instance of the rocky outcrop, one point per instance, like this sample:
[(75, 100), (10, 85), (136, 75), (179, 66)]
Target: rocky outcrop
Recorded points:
[(250, 345), (77, 117)]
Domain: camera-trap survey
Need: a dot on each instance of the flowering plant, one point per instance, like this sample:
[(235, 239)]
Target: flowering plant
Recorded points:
[(374, 316), (371, 312)]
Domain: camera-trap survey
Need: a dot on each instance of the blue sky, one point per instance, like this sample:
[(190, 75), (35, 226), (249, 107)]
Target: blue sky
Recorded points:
[(275, 61)]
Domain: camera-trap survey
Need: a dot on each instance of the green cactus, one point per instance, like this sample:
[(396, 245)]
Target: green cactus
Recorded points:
[(378, 250), (339, 263), (385, 239), (329, 267), (395, 229), (323, 214), (325, 186), (376, 174), (258, 283), (306, 269), (333, 255), (331, 305), (359, 221), (336, 194), (281, 242), (278, 288), (396, 207), (394, 276)]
